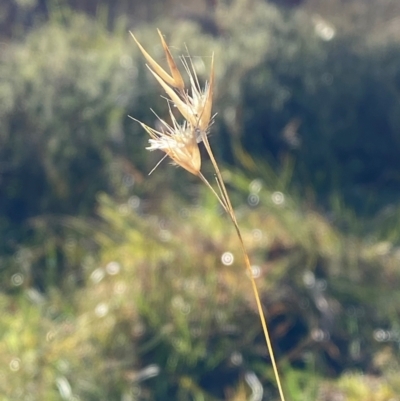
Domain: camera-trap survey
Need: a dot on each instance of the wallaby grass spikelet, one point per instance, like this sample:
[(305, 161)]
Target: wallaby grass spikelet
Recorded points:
[(180, 143)]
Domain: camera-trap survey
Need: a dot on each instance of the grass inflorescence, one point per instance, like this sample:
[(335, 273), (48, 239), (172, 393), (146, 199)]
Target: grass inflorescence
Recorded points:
[(179, 141)]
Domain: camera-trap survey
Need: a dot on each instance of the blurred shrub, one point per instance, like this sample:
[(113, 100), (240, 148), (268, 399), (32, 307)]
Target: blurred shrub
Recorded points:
[(289, 87), (165, 309), (294, 85), (332, 106), (52, 349), (326, 294), (356, 386), (65, 96), (18, 17)]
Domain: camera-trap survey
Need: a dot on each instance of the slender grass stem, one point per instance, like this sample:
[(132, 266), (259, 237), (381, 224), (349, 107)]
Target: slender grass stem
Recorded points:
[(260, 313), (225, 201), (213, 191), (180, 143)]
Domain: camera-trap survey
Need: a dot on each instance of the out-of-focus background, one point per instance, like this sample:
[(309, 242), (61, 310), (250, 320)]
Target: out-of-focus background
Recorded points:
[(119, 286)]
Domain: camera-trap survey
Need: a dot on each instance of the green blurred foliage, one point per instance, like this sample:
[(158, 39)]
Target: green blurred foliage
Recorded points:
[(329, 99), (161, 317), (66, 92), (124, 296), (289, 88)]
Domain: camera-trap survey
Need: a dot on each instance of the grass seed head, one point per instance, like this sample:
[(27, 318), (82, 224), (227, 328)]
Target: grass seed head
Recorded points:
[(180, 142), (176, 79), (199, 104)]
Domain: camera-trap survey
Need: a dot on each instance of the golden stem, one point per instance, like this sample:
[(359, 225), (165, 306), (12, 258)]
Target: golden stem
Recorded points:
[(213, 191), (260, 312), (231, 213)]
